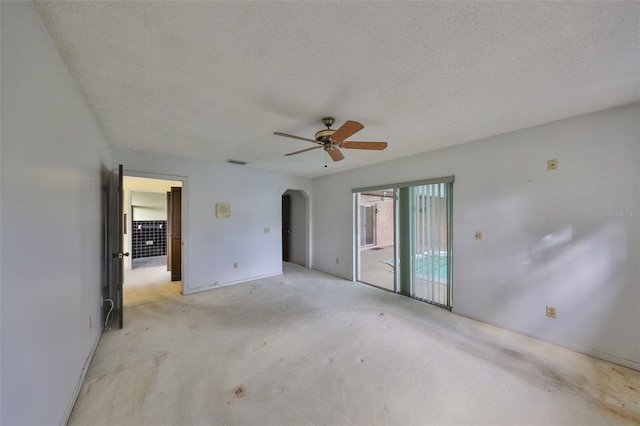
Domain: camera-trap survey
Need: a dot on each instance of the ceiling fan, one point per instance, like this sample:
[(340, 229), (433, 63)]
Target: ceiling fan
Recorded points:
[(332, 140)]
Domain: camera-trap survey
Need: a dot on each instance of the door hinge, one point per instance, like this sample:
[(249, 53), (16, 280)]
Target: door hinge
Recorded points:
[(119, 255)]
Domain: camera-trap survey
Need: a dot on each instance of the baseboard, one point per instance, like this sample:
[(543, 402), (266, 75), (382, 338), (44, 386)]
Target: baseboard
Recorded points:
[(76, 391), (634, 365), (228, 283)]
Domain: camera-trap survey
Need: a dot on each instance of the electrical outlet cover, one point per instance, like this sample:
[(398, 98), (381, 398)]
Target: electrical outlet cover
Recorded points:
[(551, 311)]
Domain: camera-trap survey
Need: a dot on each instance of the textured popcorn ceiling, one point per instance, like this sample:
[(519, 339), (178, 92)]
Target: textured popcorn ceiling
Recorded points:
[(214, 80)]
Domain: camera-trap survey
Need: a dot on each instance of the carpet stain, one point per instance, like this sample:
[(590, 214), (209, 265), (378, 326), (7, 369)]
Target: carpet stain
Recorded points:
[(609, 391), (615, 394)]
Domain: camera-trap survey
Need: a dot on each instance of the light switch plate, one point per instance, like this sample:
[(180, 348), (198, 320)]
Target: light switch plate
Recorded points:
[(552, 164), (478, 235)]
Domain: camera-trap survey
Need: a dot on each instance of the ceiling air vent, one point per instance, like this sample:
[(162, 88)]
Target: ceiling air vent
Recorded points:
[(240, 163)]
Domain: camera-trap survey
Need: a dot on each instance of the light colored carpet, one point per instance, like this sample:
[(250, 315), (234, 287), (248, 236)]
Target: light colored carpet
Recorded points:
[(308, 348), (148, 285), (147, 262)]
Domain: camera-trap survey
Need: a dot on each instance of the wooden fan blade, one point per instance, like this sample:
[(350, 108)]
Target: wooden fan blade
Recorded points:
[(364, 145), (286, 135), (347, 129), (336, 154), (304, 150)]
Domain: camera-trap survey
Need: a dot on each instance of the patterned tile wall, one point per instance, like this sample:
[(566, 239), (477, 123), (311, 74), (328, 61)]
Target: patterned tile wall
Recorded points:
[(148, 238)]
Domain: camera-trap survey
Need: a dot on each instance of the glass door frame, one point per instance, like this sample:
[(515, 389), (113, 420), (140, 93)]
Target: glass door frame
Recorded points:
[(357, 225)]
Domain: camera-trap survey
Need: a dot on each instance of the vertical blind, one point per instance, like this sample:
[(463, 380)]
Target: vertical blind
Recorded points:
[(430, 243)]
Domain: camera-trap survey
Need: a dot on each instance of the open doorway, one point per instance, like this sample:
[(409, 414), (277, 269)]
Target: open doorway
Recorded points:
[(295, 227), (376, 238), (152, 236)]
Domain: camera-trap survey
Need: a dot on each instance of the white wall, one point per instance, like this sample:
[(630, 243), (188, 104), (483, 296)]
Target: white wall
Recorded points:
[(51, 221), (549, 237), (212, 245), (149, 205)]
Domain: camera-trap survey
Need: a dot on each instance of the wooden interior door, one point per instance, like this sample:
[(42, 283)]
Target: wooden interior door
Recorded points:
[(286, 226), (115, 235), (174, 244), (168, 231)]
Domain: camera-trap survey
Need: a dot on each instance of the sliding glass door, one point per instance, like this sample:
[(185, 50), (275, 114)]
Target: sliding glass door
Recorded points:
[(412, 256)]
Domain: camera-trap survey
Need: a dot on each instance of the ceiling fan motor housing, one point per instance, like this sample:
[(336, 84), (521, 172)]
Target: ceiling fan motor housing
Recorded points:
[(323, 137)]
